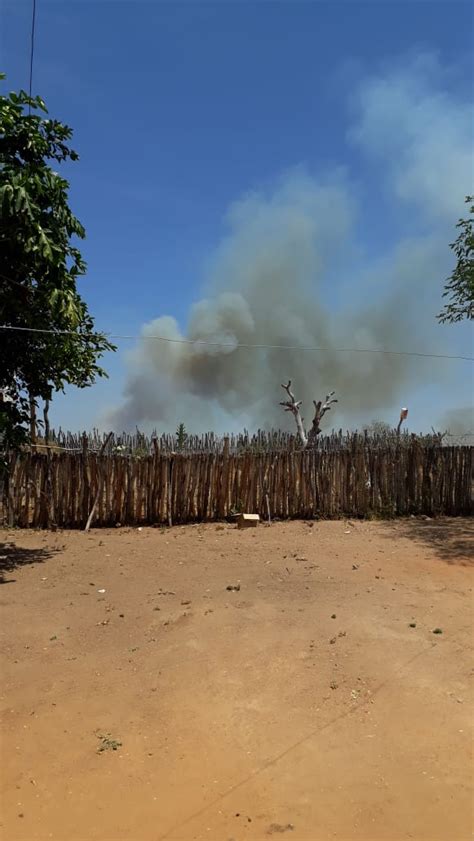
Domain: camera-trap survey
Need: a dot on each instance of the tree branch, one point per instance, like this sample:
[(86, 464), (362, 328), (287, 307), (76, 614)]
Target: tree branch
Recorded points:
[(320, 410), (292, 405)]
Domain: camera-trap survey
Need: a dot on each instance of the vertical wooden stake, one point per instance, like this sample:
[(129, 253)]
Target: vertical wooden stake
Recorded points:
[(49, 486), (267, 503), (100, 479), (170, 496)]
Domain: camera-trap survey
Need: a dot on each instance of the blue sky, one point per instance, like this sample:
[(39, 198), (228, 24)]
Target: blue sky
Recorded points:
[(181, 110)]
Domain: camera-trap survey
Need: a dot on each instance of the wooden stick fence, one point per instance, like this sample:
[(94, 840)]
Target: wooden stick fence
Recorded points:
[(60, 489)]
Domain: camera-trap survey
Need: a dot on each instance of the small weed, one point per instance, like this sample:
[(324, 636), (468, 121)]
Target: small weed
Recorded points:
[(385, 512), (412, 625), (437, 631), (140, 452), (107, 743), (237, 508)]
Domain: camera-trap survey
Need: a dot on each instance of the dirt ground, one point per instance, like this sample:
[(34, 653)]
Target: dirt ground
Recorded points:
[(144, 700)]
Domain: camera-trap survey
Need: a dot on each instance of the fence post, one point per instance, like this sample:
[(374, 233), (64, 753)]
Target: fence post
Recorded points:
[(48, 484), (100, 481), (170, 491), (85, 480), (222, 490)]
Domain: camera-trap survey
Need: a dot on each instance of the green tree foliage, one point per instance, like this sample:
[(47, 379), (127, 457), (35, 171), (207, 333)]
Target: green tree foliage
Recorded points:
[(459, 288), (39, 267), (181, 436)]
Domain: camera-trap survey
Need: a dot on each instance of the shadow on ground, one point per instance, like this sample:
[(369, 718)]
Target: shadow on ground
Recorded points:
[(451, 539), (12, 557)]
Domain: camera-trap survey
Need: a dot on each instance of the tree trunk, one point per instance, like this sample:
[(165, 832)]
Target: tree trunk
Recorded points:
[(32, 422), (293, 406)]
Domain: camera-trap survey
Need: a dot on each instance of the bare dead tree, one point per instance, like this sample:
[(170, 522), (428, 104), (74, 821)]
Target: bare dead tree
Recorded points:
[(320, 408), (292, 405)]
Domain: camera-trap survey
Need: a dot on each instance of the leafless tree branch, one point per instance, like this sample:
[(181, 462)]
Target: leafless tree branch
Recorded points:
[(292, 405), (320, 410)]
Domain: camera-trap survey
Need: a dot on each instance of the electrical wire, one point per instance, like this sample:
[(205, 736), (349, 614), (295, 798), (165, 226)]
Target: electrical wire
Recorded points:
[(234, 345), (32, 48)]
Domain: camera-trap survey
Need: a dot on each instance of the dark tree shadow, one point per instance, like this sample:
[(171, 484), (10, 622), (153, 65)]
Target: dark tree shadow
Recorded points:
[(452, 539), (12, 557)]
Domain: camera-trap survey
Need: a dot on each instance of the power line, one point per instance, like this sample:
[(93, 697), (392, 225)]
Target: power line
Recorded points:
[(32, 47), (233, 345)]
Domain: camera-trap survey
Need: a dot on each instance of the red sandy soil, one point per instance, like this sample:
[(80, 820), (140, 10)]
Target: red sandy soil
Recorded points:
[(302, 705)]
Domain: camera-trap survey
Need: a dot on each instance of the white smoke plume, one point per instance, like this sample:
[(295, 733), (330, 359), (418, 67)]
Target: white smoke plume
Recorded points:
[(423, 136), (458, 421), (292, 271)]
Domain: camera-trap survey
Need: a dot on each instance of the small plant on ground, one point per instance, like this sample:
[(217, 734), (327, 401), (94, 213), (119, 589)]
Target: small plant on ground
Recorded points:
[(237, 508), (107, 743)]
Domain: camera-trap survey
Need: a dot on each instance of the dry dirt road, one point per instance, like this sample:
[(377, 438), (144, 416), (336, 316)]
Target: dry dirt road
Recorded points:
[(315, 702)]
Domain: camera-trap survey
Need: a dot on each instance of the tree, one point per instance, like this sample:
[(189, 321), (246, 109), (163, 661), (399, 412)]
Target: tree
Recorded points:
[(39, 269), (308, 439), (381, 428), (459, 288), (181, 437), (378, 427)]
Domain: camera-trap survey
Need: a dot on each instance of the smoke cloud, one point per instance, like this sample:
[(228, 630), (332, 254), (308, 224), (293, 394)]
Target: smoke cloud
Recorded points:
[(421, 135), (292, 271), (459, 421)]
